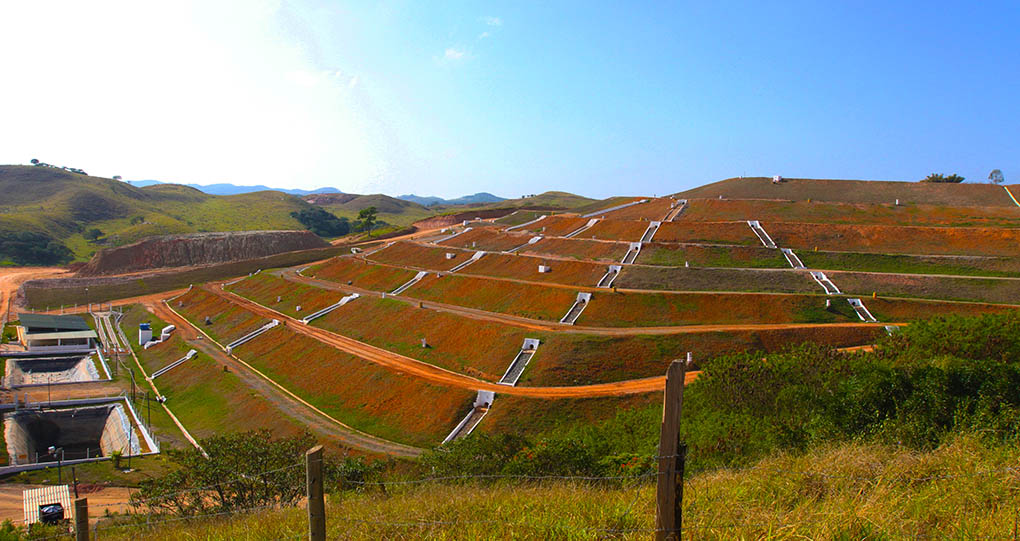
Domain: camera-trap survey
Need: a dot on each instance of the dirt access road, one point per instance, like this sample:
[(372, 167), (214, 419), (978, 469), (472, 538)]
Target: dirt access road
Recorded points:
[(435, 374), (12, 278), (288, 405), (101, 499)]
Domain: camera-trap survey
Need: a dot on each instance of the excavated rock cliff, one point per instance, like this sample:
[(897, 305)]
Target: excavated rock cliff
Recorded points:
[(196, 250)]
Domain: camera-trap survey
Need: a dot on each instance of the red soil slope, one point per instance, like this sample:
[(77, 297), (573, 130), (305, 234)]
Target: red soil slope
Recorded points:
[(700, 255), (526, 268), (363, 395), (361, 273), (557, 226), (707, 232), (524, 300), (229, 322), (591, 250), (613, 229), (897, 239), (420, 256), (264, 288), (654, 209), (488, 239)]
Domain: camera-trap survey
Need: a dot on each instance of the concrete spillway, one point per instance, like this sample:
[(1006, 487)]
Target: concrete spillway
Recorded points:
[(417, 278), (650, 232), (762, 235), (478, 410), (583, 228), (332, 307), (575, 311), (191, 355), (676, 211), (632, 253), (829, 287), (446, 238), (610, 275), (526, 224), (250, 336), (520, 362), (611, 209), (792, 259), (475, 257), (531, 241), (862, 311)]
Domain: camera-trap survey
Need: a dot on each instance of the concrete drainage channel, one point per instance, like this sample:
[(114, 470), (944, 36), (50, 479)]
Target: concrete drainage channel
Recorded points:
[(475, 257), (792, 259), (191, 354), (342, 302), (610, 276), (632, 253), (650, 232), (582, 229), (526, 224), (575, 311), (417, 278), (829, 287), (762, 235), (611, 209), (531, 241), (448, 237), (862, 311), (250, 336), (485, 399), (676, 211)]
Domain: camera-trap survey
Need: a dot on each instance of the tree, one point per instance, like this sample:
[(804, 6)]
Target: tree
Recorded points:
[(940, 178), (117, 177), (322, 222), (93, 234), (35, 161), (996, 176), (367, 218)]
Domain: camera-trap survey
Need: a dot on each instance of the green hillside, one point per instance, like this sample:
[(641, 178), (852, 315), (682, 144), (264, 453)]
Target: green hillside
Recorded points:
[(391, 210), (547, 200), (50, 203)]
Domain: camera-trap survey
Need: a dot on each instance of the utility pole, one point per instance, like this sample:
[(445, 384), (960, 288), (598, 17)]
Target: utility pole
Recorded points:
[(669, 492)]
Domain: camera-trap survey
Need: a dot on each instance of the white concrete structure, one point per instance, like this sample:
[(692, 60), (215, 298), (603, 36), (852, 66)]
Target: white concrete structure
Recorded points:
[(477, 255), (762, 235), (792, 259), (191, 354), (42, 333), (829, 287), (862, 311), (632, 252), (417, 278), (611, 209), (520, 362), (526, 224), (575, 311), (583, 228), (230, 347), (650, 232), (531, 241), (610, 276), (332, 307)]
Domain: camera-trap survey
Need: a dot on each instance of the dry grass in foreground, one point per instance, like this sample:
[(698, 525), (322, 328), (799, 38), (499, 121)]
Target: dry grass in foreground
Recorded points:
[(963, 490)]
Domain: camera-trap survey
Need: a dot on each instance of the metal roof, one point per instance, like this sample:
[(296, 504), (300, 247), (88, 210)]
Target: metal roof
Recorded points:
[(62, 335), (47, 321), (34, 497)]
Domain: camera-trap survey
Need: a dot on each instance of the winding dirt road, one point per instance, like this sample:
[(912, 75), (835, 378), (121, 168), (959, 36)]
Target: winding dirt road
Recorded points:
[(435, 374), (288, 405), (12, 278)]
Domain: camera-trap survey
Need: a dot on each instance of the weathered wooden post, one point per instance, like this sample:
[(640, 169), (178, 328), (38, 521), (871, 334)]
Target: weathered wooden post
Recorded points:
[(316, 500), (81, 519), (669, 488)]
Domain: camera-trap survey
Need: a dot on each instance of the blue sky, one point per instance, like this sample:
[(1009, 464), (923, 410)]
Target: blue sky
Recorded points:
[(594, 98)]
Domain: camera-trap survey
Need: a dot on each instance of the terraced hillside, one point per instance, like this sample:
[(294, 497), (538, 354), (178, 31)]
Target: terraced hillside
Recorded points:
[(405, 340)]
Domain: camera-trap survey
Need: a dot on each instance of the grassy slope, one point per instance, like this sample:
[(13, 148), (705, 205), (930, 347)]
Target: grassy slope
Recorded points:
[(847, 491), (390, 209), (855, 191), (64, 205)]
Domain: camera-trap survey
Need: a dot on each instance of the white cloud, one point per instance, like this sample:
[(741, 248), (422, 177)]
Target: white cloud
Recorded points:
[(454, 54), (483, 35), (492, 21)]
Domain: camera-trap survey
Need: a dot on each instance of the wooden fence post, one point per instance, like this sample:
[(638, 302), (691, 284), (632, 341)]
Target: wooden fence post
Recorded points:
[(316, 501), (81, 519), (669, 488)]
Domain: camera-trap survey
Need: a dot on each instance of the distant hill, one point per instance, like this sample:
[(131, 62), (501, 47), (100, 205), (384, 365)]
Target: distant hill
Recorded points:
[(62, 207), (390, 209), (547, 200), (480, 197), (232, 189)]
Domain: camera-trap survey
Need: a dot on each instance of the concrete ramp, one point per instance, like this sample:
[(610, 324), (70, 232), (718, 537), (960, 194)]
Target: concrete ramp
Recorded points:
[(330, 308), (650, 232), (526, 224), (862, 311), (520, 362), (478, 255), (829, 287), (575, 311), (191, 354), (582, 229), (531, 241), (632, 253), (610, 275), (417, 278), (762, 235), (478, 410), (250, 336), (611, 209), (792, 259)]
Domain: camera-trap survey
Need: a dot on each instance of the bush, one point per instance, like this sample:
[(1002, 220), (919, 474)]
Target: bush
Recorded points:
[(938, 177), (27, 248), (321, 222)]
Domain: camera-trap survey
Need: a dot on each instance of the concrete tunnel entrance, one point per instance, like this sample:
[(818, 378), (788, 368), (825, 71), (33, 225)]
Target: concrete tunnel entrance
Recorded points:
[(86, 432)]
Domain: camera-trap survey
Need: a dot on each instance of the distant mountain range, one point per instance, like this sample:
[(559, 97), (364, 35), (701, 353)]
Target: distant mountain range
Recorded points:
[(231, 189), (480, 197)]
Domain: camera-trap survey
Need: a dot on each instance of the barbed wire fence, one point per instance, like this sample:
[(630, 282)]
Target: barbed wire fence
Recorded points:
[(720, 518)]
